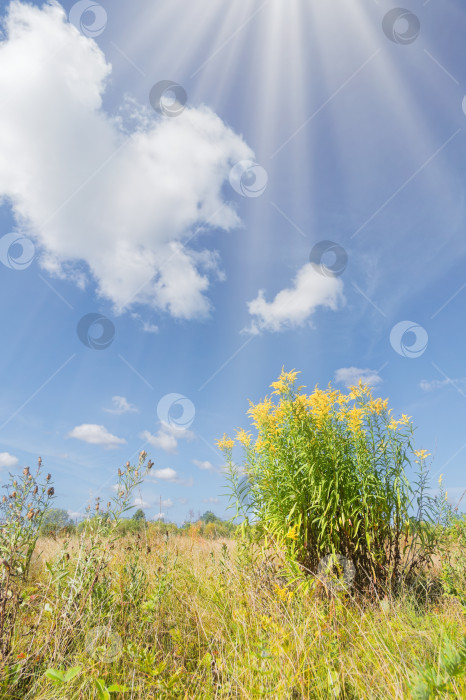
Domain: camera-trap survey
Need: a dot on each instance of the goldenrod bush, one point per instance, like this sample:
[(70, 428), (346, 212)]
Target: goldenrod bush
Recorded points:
[(327, 475)]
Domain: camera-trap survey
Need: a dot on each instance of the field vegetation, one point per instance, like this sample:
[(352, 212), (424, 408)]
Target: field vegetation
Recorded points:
[(344, 577)]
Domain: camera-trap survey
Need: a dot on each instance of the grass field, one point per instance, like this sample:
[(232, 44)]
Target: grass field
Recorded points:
[(194, 618)]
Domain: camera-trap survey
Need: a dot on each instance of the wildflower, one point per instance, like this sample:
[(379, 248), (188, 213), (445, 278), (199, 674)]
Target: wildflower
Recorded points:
[(26, 471), (440, 479), (422, 454), (143, 454), (292, 533), (243, 437), (225, 443)]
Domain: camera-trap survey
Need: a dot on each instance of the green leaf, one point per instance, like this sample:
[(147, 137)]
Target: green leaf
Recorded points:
[(71, 673), (55, 675), (116, 688), (102, 690)]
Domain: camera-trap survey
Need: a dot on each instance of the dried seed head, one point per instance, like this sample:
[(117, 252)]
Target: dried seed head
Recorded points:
[(13, 495), (97, 506), (50, 491), (150, 464), (39, 461), (26, 471), (136, 473), (120, 473), (37, 512), (4, 499), (49, 476), (128, 465), (109, 504), (15, 484), (30, 515), (143, 454), (35, 490)]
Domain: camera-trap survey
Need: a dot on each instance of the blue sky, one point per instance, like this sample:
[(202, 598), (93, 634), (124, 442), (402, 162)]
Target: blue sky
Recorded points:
[(354, 128)]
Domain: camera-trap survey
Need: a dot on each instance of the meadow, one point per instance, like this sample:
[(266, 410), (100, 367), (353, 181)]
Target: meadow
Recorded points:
[(114, 609)]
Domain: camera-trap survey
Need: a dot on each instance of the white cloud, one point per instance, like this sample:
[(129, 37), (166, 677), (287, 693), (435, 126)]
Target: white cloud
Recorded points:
[(158, 516), (121, 405), (205, 466), (96, 435), (350, 376), (167, 437), (7, 460), (140, 503), (89, 188), (166, 474), (167, 503), (211, 499), (294, 307), (75, 515), (441, 383)]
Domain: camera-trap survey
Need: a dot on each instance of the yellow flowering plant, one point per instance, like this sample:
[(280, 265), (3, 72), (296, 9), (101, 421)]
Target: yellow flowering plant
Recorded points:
[(327, 474)]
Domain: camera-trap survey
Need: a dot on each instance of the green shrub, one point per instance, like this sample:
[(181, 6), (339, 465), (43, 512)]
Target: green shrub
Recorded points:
[(326, 477)]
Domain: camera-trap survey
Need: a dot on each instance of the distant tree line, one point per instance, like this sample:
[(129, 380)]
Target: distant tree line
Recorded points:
[(58, 522)]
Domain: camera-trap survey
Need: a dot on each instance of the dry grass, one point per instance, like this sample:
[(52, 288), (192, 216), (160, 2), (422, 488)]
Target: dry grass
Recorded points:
[(192, 618)]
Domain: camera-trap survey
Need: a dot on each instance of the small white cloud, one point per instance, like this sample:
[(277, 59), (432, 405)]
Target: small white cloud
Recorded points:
[(140, 503), (441, 383), (75, 515), (121, 405), (167, 503), (205, 466), (167, 474), (146, 326), (211, 499), (158, 516), (7, 460), (350, 376), (167, 437), (96, 435), (294, 307)]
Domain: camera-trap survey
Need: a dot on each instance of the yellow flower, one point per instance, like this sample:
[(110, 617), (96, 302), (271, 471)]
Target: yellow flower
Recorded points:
[(355, 419), (422, 453), (284, 382), (225, 443), (292, 533), (440, 479), (243, 437)]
